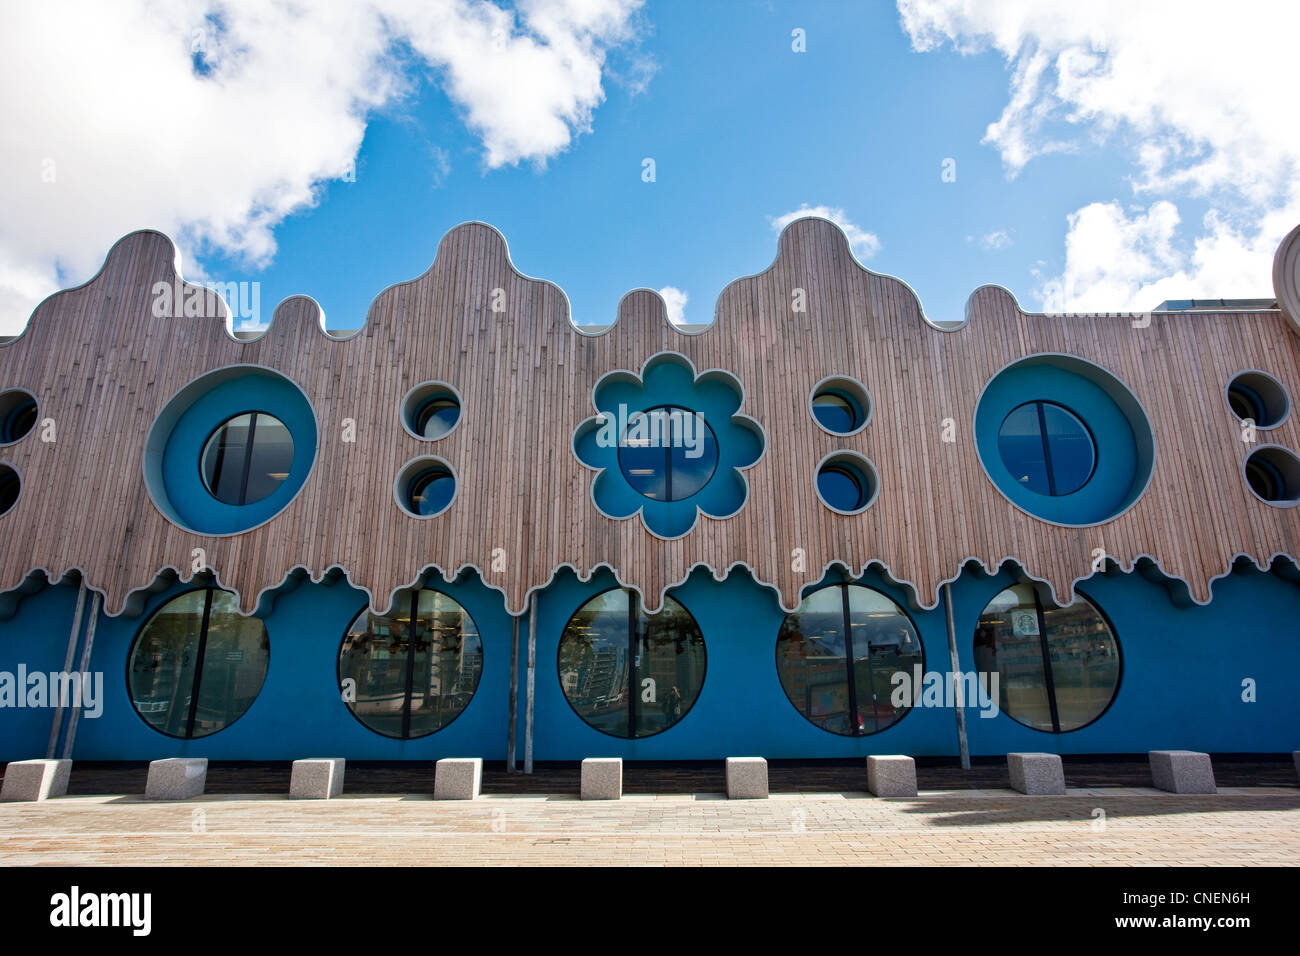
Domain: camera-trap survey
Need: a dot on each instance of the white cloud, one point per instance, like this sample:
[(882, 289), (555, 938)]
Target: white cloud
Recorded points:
[(215, 119), (864, 244), (996, 240), (675, 303), (1199, 94)]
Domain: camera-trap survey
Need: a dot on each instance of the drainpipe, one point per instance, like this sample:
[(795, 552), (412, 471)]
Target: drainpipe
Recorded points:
[(956, 676), (532, 668), (511, 767), (85, 669), (67, 666)]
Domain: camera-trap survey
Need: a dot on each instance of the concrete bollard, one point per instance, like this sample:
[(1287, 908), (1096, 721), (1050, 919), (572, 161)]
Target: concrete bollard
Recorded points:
[(746, 778), (1182, 771), (35, 780), (602, 778), (1037, 774), (176, 778), (457, 778), (891, 775), (316, 778)]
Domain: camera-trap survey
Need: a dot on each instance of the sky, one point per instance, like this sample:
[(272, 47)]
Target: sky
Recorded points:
[(1088, 157)]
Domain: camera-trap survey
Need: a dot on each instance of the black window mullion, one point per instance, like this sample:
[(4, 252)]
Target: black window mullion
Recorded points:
[(1047, 664), (666, 419), (248, 458), (410, 667), (198, 664), (1047, 451), (848, 660)]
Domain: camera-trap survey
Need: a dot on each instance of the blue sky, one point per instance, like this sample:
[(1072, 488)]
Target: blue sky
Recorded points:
[(1095, 187)]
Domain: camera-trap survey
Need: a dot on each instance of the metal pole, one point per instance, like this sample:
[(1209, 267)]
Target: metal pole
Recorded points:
[(511, 767), (85, 669), (532, 668), (73, 638), (956, 676)]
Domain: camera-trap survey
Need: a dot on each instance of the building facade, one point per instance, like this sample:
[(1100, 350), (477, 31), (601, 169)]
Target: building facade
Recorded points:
[(820, 527)]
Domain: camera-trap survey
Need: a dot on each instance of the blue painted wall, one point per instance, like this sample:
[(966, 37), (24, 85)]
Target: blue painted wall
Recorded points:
[(1181, 685)]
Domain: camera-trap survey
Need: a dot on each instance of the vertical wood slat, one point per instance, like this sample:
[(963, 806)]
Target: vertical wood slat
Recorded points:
[(103, 367)]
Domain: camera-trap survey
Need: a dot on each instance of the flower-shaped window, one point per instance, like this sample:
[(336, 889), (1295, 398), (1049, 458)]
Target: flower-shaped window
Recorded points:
[(668, 444)]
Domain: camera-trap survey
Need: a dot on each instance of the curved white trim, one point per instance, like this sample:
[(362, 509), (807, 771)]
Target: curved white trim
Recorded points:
[(1155, 450), (158, 444)]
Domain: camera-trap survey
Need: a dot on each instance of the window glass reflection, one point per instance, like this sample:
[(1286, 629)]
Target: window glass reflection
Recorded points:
[(843, 684), (668, 453), (1020, 637), (412, 680), (628, 673), (187, 680), (247, 458), (1047, 448)]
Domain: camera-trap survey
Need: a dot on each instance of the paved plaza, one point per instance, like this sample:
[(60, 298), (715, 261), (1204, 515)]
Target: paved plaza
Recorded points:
[(1125, 826)]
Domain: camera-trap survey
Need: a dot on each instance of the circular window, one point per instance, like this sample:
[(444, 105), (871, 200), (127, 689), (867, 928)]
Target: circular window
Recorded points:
[(846, 482), (1064, 440), (431, 410), (415, 669), (837, 654), (1047, 448), (246, 458), (1058, 668), (18, 414), (840, 405), (10, 487), (627, 673), (668, 453), (230, 450), (425, 487), (1259, 397), (197, 665), (1273, 474)]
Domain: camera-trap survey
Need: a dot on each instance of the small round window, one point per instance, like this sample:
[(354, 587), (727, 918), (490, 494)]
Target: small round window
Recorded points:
[(1047, 448), (627, 673), (426, 488), (247, 458), (1057, 667), (431, 410), (840, 405), (668, 453), (1273, 474), (846, 482), (10, 487), (197, 664), (837, 655), (18, 414), (413, 670), (1260, 398)]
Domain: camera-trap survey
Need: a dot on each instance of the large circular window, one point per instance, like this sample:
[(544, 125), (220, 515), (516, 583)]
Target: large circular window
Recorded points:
[(836, 656), (197, 664), (230, 450), (247, 458), (1064, 440), (668, 453), (1047, 447), (628, 673), (414, 670), (1058, 668)]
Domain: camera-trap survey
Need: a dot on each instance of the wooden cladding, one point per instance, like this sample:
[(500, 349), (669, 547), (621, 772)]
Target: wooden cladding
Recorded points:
[(102, 366)]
